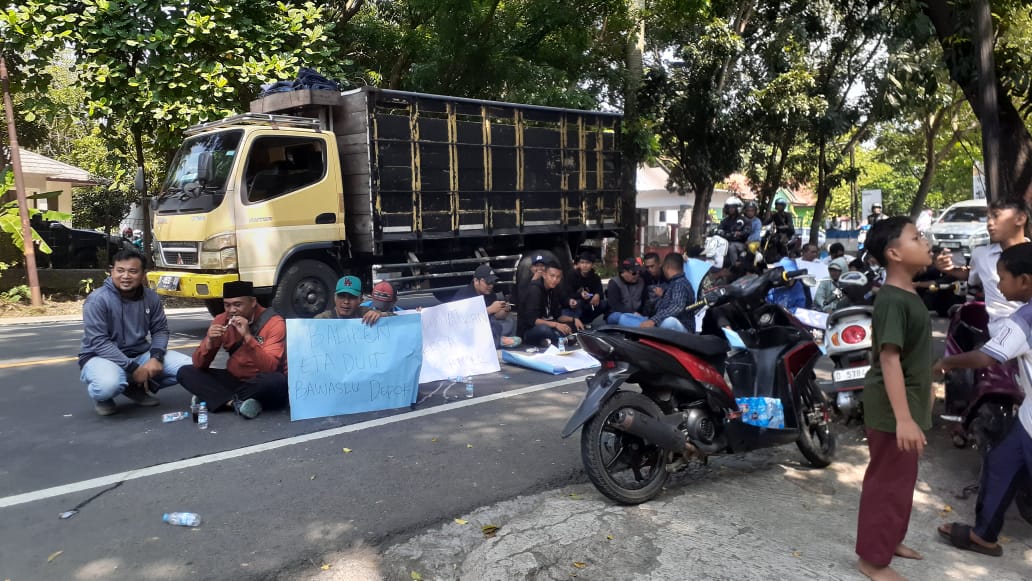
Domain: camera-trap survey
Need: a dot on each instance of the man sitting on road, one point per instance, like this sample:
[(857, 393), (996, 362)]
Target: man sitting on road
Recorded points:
[(584, 290), (541, 319), (670, 310), (116, 357), (255, 376), (383, 298), (626, 292), (652, 274), (347, 303), (483, 284)]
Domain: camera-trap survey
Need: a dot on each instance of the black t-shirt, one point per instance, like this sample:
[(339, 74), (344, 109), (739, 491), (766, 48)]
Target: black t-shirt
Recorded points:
[(469, 291), (537, 303), (574, 282)]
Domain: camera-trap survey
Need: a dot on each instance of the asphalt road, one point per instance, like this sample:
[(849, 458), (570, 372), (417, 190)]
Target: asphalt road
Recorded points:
[(273, 494)]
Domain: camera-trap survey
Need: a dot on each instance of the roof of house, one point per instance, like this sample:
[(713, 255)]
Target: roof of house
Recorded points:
[(53, 170)]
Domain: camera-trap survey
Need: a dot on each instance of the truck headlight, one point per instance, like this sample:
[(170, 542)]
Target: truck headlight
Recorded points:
[(221, 259), (219, 241)]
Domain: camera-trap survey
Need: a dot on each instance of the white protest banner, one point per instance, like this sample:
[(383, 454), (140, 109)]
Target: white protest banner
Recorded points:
[(345, 366), (457, 341)]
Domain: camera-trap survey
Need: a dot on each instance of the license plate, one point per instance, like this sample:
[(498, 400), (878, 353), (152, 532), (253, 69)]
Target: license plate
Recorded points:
[(850, 374), (168, 282), (950, 244)]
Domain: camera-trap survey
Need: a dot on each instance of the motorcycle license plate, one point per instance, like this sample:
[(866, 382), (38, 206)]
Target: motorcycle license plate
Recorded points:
[(950, 244), (167, 282), (850, 374)]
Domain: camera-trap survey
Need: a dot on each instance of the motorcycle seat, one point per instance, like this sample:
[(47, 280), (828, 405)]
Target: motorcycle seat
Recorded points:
[(849, 311), (705, 345)]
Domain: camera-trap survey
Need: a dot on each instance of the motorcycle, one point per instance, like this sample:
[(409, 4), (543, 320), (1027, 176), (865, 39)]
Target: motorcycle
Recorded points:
[(746, 382)]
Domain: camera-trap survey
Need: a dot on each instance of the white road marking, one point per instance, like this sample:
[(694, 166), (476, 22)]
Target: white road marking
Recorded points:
[(267, 446)]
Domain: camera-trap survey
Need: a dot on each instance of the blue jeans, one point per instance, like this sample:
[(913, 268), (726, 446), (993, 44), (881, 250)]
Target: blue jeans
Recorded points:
[(1002, 470), (632, 320), (104, 379)]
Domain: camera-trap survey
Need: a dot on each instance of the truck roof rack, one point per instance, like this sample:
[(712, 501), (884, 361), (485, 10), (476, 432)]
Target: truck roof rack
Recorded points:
[(258, 119)]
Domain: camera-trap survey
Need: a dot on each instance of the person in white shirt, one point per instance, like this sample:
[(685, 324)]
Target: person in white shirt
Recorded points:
[(1007, 222), (924, 220), (1009, 461)]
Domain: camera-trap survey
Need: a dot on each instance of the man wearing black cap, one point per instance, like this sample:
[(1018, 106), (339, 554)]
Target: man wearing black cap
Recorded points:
[(483, 284), (541, 317), (626, 292), (255, 376), (584, 289)]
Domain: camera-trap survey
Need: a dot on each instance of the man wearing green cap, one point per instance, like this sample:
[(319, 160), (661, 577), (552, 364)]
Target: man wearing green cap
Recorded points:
[(347, 303)]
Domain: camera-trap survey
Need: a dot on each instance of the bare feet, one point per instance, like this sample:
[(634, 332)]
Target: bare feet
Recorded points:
[(875, 573), (907, 553)]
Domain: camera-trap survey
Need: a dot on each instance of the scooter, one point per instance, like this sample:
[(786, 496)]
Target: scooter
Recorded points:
[(980, 403), (847, 341), (746, 382)]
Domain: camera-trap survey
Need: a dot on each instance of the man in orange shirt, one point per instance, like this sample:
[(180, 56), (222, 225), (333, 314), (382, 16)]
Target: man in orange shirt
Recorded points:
[(256, 340)]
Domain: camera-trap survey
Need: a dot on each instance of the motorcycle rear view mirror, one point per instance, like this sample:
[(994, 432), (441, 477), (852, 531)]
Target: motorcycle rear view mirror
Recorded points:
[(809, 281)]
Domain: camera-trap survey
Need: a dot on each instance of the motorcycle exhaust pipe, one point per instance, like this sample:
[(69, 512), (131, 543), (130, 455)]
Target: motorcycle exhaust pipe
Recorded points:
[(654, 431)]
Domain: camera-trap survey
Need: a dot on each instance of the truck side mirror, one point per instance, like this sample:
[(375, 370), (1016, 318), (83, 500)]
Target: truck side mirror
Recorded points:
[(138, 182), (205, 169)]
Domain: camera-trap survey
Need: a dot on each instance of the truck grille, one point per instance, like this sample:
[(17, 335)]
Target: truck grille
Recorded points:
[(179, 253)]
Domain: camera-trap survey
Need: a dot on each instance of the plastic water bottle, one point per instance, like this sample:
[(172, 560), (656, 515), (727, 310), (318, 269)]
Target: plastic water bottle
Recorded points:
[(469, 386), (182, 519), (202, 416), (562, 344)]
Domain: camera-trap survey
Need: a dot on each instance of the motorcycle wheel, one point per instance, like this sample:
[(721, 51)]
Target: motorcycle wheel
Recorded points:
[(624, 467), (816, 439)]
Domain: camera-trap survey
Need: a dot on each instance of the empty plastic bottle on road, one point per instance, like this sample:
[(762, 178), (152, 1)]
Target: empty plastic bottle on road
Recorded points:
[(562, 344), (183, 519), (469, 386), (202, 416)]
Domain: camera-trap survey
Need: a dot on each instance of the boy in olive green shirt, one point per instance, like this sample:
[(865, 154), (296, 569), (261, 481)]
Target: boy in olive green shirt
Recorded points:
[(897, 398)]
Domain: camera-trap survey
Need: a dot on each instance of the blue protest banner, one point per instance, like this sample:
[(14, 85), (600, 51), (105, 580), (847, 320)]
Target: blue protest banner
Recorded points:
[(344, 366)]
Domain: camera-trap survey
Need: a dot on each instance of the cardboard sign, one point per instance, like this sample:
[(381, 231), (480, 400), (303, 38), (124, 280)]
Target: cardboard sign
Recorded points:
[(457, 341), (340, 367)]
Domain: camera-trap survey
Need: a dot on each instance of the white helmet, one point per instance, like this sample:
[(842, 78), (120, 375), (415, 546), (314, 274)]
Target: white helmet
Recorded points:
[(733, 201)]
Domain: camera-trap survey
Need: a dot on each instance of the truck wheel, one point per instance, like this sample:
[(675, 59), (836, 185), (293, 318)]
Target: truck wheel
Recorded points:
[(215, 307), (523, 273), (305, 290)]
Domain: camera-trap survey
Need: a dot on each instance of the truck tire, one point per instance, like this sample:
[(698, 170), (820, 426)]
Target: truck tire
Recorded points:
[(523, 273), (215, 307), (305, 290)]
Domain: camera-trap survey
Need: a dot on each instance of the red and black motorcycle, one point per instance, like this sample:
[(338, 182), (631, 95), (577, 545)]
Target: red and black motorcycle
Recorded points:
[(746, 382)]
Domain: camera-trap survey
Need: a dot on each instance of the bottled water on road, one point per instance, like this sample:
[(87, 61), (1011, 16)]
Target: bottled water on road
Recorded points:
[(183, 519), (174, 417), (562, 344), (469, 386), (202, 416)]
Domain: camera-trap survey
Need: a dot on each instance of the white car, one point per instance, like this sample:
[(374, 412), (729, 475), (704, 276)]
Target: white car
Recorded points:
[(961, 228)]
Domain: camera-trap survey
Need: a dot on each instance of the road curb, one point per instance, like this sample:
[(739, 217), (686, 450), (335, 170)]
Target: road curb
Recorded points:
[(9, 321)]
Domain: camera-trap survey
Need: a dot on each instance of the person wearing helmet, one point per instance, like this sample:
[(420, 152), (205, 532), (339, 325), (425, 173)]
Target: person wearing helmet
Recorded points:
[(735, 229), (876, 214), (755, 225)]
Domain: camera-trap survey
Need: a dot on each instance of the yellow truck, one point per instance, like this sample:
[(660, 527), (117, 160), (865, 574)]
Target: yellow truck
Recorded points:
[(414, 188)]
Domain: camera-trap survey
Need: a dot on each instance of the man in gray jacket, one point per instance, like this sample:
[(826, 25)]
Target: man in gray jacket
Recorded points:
[(626, 292), (116, 356)]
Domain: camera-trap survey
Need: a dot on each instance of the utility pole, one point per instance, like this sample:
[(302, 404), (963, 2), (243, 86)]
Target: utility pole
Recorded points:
[(996, 188), (19, 188), (854, 221)]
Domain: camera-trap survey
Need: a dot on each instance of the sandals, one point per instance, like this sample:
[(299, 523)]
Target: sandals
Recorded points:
[(510, 342), (960, 537)]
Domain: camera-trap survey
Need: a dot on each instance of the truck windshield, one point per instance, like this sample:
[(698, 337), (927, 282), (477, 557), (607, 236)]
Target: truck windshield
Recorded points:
[(183, 192)]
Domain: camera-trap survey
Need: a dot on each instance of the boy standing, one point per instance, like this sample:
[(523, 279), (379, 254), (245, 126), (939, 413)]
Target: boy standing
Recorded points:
[(897, 398), (1005, 464)]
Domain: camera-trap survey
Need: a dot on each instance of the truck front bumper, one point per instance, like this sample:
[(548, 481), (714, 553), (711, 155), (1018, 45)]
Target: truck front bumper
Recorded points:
[(189, 285)]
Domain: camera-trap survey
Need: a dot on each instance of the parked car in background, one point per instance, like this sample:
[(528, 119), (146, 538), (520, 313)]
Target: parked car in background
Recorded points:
[(75, 247), (961, 228)]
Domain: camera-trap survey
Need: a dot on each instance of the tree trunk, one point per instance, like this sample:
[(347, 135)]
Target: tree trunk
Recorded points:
[(931, 162), (960, 56), (630, 157), (144, 200), (703, 197), (823, 192)]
